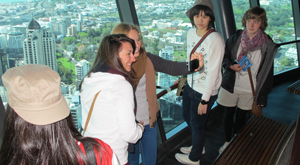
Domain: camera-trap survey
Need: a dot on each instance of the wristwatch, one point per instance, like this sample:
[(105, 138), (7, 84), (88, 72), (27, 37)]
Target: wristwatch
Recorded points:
[(203, 102)]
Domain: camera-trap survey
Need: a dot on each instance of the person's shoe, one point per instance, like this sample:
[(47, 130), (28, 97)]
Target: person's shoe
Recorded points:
[(187, 150), (223, 147), (184, 159)]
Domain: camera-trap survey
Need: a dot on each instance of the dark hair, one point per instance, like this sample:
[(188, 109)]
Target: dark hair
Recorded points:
[(207, 11), (52, 144), (108, 53), (256, 12)]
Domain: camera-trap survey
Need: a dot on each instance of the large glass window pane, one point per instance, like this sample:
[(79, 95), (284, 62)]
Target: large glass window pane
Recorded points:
[(68, 36), (239, 7), (281, 28), (164, 25), (286, 58)]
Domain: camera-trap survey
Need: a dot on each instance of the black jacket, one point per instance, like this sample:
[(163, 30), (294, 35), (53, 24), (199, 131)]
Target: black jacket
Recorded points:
[(264, 76)]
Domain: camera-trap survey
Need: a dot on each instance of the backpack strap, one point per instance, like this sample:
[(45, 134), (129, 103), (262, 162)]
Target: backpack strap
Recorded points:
[(90, 153)]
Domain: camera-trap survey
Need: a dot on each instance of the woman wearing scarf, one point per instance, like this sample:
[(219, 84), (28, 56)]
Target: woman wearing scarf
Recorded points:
[(235, 93), (112, 119)]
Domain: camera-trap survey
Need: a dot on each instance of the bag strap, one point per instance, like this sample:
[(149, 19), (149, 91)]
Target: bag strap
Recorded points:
[(89, 150), (251, 81), (90, 113), (196, 46), (201, 40)]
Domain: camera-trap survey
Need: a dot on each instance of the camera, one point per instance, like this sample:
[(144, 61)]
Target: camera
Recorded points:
[(194, 64)]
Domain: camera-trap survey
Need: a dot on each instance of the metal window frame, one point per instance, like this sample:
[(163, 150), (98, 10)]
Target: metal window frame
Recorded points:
[(127, 12), (296, 14)]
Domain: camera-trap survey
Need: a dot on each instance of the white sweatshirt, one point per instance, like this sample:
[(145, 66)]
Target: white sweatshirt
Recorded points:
[(207, 81), (113, 119)]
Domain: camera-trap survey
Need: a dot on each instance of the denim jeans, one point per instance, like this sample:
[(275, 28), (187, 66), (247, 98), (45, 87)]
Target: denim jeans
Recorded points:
[(147, 145), (196, 123)]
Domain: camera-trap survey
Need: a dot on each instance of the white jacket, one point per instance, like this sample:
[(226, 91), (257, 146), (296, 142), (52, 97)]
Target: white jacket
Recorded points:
[(207, 81), (113, 119)]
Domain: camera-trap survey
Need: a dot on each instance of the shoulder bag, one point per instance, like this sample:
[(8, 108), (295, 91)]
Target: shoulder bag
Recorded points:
[(90, 113), (88, 147), (256, 110), (130, 145)]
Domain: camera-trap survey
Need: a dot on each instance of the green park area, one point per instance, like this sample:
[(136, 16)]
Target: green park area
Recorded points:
[(66, 69)]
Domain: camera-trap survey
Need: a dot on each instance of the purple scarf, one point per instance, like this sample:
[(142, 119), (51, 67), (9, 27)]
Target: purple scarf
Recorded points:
[(252, 44)]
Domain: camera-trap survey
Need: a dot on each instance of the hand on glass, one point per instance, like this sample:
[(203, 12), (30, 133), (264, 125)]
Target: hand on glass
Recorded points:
[(237, 67), (202, 109), (198, 56)]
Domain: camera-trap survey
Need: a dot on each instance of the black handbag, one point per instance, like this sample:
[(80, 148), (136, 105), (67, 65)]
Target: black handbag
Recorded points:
[(130, 148)]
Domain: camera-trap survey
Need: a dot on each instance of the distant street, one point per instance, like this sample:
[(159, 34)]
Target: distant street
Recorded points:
[(67, 56)]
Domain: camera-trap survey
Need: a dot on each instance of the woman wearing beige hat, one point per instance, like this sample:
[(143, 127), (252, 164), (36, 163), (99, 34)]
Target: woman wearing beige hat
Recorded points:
[(201, 89), (38, 125)]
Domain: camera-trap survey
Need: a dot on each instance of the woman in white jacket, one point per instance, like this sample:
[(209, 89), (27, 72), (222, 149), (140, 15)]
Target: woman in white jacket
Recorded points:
[(113, 119)]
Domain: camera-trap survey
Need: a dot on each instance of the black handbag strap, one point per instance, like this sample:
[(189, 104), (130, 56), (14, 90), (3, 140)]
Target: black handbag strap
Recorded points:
[(201, 40), (90, 153)]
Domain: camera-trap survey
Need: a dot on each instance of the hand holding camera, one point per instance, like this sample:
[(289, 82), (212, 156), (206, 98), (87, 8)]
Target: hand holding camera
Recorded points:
[(196, 62)]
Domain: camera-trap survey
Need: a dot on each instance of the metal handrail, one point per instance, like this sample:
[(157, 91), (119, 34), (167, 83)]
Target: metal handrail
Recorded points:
[(162, 93), (286, 43)]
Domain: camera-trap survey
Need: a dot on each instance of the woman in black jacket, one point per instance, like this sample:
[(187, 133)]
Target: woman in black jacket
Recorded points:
[(236, 93)]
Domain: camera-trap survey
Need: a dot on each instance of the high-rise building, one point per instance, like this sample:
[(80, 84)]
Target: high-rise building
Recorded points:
[(75, 108), (81, 69), (80, 17), (62, 28), (164, 80), (67, 20), (78, 26), (59, 28), (3, 94), (39, 46), (2, 64), (14, 42), (71, 31), (179, 35), (3, 42)]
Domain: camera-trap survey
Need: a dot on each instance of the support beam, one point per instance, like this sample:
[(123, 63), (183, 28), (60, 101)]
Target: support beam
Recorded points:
[(127, 11)]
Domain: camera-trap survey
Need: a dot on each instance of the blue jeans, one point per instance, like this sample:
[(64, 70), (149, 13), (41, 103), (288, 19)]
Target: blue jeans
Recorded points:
[(196, 123), (147, 145)]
